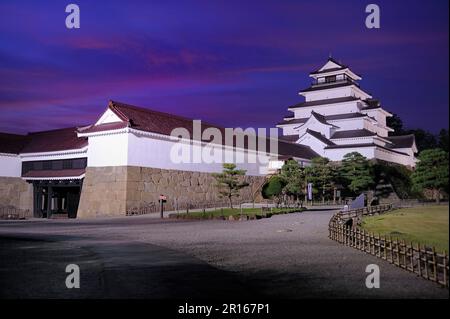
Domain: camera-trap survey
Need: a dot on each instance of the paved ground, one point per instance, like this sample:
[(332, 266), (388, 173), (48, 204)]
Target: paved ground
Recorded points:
[(286, 256)]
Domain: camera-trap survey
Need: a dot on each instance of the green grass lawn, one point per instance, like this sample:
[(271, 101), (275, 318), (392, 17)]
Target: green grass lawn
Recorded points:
[(236, 212), (427, 225)]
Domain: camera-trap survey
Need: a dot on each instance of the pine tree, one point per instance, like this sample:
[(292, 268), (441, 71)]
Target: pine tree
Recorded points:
[(356, 172), (321, 174), (294, 178), (229, 182)]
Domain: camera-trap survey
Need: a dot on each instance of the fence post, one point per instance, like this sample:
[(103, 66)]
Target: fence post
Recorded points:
[(419, 260), (444, 263), (434, 260)]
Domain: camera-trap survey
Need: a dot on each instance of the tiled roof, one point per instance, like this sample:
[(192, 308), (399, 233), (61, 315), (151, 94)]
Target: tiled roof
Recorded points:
[(321, 118), (371, 104), (326, 87), (344, 116), (294, 149), (294, 121), (341, 66), (329, 70), (402, 141), (103, 127), (289, 138), (46, 141), (54, 173), (320, 137), (54, 140), (352, 146), (12, 143), (327, 118), (326, 102), (353, 133)]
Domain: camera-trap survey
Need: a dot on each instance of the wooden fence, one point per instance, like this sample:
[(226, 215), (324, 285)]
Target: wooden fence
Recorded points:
[(419, 259), (10, 212)]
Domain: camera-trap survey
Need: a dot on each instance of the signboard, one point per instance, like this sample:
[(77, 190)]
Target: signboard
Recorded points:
[(162, 197), (358, 202), (310, 191)]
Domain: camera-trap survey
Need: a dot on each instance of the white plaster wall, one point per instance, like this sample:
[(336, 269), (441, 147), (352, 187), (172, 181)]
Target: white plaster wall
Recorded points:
[(352, 141), (350, 124), (108, 117), (394, 157), (336, 108), (156, 153), (10, 165), (108, 150), (289, 129), (328, 94), (316, 145)]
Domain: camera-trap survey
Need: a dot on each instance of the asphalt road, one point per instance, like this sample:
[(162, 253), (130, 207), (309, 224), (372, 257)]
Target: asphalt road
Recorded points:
[(286, 256)]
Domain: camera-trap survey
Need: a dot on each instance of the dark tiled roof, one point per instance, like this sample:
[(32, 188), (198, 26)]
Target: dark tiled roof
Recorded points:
[(297, 150), (402, 141), (320, 137), (329, 70), (353, 133), (12, 143), (294, 121), (330, 86), (341, 66), (54, 173), (325, 102), (321, 118), (103, 127), (46, 141), (352, 146), (289, 138), (344, 116), (54, 140), (327, 117), (371, 104)]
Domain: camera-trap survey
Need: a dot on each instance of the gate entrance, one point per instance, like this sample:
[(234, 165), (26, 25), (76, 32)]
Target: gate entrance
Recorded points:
[(56, 198)]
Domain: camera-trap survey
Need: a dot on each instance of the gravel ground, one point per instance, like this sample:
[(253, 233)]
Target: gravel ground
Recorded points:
[(286, 256)]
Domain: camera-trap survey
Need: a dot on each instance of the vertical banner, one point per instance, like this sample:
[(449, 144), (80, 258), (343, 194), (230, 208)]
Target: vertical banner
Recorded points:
[(309, 191)]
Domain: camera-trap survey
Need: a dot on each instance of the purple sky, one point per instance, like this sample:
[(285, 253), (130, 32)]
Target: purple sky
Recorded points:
[(233, 63)]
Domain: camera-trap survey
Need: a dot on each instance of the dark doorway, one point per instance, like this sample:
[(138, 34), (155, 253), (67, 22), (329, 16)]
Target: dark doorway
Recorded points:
[(56, 198)]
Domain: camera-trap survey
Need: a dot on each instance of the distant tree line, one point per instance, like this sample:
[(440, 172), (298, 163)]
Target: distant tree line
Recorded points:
[(356, 174), (425, 140)]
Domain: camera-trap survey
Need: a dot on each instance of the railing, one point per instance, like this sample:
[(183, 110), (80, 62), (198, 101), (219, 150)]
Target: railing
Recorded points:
[(319, 84), (419, 259), (11, 212)]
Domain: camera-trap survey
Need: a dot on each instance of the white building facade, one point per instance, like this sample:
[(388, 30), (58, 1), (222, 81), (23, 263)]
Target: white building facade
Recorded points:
[(123, 162), (338, 117)]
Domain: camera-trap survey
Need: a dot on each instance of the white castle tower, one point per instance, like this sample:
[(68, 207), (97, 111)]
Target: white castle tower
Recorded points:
[(338, 117)]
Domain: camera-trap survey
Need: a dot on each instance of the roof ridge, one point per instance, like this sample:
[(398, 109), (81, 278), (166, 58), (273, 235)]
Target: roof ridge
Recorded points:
[(75, 128), (181, 117)]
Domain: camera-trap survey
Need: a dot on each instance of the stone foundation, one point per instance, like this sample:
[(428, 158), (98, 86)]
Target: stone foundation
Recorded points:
[(118, 191), (15, 192)]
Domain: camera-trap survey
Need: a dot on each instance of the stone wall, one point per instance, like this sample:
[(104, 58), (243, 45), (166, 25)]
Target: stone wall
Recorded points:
[(114, 191), (104, 192), (17, 193)]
